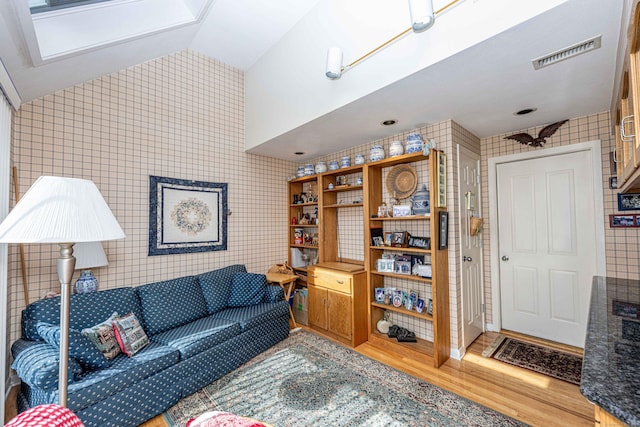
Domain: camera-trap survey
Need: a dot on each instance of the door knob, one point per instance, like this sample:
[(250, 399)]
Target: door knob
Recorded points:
[(467, 258), (505, 258)]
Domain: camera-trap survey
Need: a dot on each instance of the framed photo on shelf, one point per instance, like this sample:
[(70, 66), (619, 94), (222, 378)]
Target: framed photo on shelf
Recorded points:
[(385, 265), (399, 239), (376, 237), (419, 242), (401, 210), (403, 264), (430, 307), (420, 305), (387, 238)]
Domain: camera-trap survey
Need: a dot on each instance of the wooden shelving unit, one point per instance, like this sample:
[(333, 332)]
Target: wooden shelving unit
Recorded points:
[(331, 201), (438, 284), (306, 184), (334, 195)]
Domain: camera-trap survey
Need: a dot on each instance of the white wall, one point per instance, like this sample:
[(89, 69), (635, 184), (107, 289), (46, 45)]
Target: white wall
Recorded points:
[(287, 86)]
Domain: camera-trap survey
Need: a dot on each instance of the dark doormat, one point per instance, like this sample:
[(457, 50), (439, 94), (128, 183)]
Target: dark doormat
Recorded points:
[(554, 363)]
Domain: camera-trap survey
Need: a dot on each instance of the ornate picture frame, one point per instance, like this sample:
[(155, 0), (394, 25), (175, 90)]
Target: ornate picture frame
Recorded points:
[(186, 216)]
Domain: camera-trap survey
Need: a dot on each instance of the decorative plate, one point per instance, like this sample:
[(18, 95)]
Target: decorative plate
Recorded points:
[(402, 181)]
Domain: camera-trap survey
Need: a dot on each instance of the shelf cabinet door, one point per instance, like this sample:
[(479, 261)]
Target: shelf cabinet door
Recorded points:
[(318, 306), (339, 313)]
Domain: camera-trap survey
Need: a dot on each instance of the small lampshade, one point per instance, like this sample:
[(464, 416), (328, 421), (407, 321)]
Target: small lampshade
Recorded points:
[(57, 210), (422, 16), (334, 63), (89, 255)]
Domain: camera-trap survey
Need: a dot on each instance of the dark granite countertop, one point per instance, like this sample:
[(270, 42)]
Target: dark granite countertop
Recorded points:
[(611, 365)]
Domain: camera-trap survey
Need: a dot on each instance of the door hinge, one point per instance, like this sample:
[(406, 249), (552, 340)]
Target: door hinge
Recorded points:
[(482, 307)]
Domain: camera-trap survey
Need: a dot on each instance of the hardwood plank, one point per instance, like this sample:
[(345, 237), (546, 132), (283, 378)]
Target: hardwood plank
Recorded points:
[(530, 397)]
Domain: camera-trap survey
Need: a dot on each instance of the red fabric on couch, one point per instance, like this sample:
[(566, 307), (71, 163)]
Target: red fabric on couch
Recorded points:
[(46, 416)]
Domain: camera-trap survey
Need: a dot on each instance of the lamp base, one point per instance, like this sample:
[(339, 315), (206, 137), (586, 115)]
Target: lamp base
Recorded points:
[(86, 283)]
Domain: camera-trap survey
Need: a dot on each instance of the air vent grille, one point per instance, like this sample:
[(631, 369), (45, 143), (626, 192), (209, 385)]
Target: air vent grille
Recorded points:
[(568, 52)]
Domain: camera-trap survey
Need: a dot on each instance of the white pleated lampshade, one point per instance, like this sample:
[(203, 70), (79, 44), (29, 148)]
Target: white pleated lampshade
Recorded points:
[(89, 255), (60, 210)]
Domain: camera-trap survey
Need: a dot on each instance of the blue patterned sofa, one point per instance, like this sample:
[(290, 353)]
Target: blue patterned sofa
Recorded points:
[(199, 328)]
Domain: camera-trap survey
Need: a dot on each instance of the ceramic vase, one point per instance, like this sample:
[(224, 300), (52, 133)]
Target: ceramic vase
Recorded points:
[(86, 283)]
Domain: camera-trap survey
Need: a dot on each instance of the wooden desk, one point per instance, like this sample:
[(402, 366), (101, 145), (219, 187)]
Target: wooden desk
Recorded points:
[(287, 282)]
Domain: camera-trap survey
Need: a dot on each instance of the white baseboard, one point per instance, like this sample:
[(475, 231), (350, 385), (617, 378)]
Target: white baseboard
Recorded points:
[(457, 354), (491, 328)]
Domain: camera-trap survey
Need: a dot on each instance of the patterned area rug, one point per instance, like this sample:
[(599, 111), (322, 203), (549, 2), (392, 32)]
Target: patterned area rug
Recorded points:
[(306, 380), (547, 361)]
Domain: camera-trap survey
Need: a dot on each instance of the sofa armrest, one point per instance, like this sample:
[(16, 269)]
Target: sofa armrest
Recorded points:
[(273, 293), (37, 365)]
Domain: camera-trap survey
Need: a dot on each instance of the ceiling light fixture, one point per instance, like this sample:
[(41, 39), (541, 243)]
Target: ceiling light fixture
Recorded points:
[(389, 122), (525, 111), (422, 18)]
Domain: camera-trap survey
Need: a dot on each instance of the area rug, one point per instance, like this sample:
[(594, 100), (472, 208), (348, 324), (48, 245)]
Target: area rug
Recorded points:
[(306, 380), (547, 361)]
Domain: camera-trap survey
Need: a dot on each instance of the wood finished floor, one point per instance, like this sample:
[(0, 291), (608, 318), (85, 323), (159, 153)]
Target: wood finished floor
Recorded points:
[(532, 398)]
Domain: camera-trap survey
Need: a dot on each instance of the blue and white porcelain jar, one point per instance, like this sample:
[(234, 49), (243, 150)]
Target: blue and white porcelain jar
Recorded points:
[(333, 165), (308, 170), (345, 161), (300, 172), (321, 167), (396, 149), (420, 201), (414, 143), (377, 153), (86, 283), (359, 159)]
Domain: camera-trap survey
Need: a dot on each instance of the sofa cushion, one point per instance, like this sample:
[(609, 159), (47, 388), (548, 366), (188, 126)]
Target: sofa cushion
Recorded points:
[(103, 337), (253, 315), (124, 372), (86, 310), (129, 334), (247, 289), (80, 347), (171, 303), (198, 335), (216, 286), (38, 365)]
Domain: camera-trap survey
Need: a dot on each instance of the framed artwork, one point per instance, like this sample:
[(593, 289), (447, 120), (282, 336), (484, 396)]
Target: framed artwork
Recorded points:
[(629, 202), (441, 182), (186, 216), (622, 221), (443, 230), (613, 182)]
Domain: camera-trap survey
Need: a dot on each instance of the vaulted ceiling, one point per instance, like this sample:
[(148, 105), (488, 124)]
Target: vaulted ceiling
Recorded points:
[(480, 87)]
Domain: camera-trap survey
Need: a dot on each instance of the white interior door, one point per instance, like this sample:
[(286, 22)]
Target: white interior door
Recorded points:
[(470, 246), (547, 245)]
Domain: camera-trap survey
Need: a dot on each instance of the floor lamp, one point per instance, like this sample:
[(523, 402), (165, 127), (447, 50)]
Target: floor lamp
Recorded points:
[(63, 211)]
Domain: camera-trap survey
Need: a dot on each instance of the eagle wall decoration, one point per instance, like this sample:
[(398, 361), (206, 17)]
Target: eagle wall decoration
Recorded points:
[(545, 132)]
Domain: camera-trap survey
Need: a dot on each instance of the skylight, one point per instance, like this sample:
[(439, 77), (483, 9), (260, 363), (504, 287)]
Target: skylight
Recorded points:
[(38, 6), (63, 28)]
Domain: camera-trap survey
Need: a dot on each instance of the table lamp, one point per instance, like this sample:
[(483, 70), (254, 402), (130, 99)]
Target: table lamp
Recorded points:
[(63, 211), (88, 255)]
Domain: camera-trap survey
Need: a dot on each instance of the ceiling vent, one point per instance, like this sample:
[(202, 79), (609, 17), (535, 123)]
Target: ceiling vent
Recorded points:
[(568, 52)]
